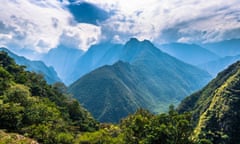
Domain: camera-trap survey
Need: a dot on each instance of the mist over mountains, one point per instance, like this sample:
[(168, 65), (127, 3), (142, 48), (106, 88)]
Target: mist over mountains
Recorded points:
[(64, 60)]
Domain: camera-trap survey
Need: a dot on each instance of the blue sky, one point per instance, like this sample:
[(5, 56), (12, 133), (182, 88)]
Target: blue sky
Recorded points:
[(40, 25)]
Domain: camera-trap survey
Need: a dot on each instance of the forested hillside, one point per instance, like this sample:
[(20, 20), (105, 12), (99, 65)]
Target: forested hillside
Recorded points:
[(215, 108), (29, 106)]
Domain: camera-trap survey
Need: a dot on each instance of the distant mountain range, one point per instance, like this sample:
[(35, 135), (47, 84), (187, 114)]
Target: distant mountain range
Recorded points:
[(73, 63), (214, 67), (189, 53), (145, 77), (215, 108), (225, 48), (39, 67), (212, 57)]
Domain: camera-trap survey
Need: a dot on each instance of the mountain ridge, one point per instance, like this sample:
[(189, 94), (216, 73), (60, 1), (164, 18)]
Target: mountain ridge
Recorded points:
[(39, 67), (96, 56), (189, 53), (215, 108)]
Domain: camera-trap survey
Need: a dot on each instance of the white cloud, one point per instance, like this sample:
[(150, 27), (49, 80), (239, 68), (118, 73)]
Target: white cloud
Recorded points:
[(82, 35), (175, 20), (38, 25)]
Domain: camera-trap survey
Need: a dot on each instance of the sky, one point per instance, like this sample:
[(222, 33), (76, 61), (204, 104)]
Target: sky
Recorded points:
[(36, 26)]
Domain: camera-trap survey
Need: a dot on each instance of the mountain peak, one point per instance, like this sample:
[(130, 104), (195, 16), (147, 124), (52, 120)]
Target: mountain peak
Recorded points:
[(133, 41), (134, 49)]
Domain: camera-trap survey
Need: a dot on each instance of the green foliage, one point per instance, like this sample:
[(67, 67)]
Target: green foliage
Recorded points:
[(28, 105), (11, 115), (17, 94), (107, 135), (142, 127), (135, 126), (5, 80)]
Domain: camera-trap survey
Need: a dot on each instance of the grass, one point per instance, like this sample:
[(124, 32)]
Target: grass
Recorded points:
[(217, 104)]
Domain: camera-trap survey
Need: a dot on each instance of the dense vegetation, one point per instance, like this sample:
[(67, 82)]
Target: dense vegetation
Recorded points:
[(29, 106), (216, 108), (143, 127)]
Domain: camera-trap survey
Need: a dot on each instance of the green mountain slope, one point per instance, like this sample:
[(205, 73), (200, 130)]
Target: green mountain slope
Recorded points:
[(147, 78), (112, 92), (216, 108), (31, 107)]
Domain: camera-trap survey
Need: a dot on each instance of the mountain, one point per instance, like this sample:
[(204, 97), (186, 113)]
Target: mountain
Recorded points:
[(39, 67), (64, 60), (97, 55), (225, 48), (189, 53), (214, 67), (109, 92), (216, 108), (145, 77)]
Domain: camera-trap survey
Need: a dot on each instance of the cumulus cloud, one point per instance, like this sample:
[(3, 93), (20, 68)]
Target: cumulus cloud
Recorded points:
[(196, 21), (82, 35), (40, 25)]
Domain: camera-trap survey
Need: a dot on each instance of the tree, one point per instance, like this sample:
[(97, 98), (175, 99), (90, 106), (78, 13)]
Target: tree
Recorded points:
[(135, 126), (11, 115), (171, 128), (18, 94), (5, 80)]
